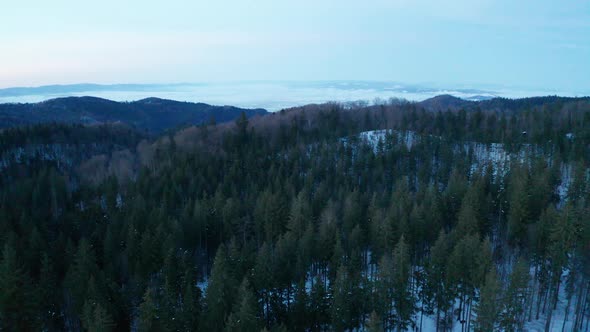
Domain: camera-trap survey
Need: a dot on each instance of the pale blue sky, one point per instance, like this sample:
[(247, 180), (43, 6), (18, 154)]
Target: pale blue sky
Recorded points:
[(538, 44)]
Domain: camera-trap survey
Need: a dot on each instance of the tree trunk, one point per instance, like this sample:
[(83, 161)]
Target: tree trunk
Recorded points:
[(581, 306), (437, 318), (421, 314), (548, 322), (545, 298), (540, 295), (567, 311), (469, 316), (584, 308), (578, 307), (533, 292), (552, 306), (556, 294)]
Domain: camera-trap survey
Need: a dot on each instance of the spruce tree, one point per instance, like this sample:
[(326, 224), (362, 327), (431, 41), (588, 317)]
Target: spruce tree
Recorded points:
[(403, 296), (148, 313), (438, 290), (341, 301), (375, 323), (11, 291), (96, 319), (319, 305), (514, 300), (384, 291), (220, 292), (245, 314), (488, 307)]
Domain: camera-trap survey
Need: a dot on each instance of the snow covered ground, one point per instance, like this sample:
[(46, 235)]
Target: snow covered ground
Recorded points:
[(499, 158), (494, 154)]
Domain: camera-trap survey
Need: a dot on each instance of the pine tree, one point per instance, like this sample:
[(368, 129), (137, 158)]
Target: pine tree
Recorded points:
[(79, 273), (438, 290), (96, 319), (11, 292), (299, 215), (300, 312), (191, 303), (319, 305), (518, 215), (488, 307), (463, 271), (467, 223), (263, 276), (341, 301), (48, 296), (148, 313), (384, 291), (242, 127), (245, 314), (220, 292), (404, 300), (375, 323), (513, 312)]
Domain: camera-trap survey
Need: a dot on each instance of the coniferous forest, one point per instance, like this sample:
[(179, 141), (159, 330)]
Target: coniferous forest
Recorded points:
[(330, 217)]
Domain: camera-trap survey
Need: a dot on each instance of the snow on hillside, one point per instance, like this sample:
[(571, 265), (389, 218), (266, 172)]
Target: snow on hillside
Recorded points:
[(374, 136), (59, 153), (493, 154), (566, 180)]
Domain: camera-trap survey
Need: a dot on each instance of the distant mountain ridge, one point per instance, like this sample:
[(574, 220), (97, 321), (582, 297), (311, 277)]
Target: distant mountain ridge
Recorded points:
[(151, 114), (81, 87), (449, 102)]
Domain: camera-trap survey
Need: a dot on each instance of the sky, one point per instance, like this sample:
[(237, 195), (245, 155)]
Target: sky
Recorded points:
[(538, 44)]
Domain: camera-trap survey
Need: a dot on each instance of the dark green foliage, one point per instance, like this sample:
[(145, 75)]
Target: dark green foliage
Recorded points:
[(296, 224), (220, 293), (245, 316), (515, 296), (489, 307)]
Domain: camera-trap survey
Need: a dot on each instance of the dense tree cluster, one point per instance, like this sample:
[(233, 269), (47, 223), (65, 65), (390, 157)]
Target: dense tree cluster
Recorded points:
[(297, 224)]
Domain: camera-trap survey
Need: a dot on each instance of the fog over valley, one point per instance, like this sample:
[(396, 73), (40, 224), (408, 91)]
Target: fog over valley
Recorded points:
[(271, 95)]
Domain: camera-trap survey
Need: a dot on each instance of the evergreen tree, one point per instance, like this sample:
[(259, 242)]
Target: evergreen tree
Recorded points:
[(384, 291), (375, 323), (518, 215), (220, 292), (488, 307), (512, 317), (148, 314), (319, 305), (48, 294), (245, 314), (438, 290), (80, 273), (301, 202), (191, 303), (341, 311), (300, 313), (403, 296), (96, 319), (11, 291)]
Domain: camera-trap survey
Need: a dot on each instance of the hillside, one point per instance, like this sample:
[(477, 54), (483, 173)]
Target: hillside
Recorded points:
[(153, 115), (317, 218), (448, 102)]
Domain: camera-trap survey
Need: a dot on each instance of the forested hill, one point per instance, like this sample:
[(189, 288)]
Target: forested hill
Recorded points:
[(318, 218), (153, 115), (448, 102)]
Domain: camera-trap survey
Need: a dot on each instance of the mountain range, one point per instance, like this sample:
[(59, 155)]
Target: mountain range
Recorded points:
[(153, 115)]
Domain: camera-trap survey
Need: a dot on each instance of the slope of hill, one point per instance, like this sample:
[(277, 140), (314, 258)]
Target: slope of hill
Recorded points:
[(445, 102), (151, 114), (457, 218), (448, 102)]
